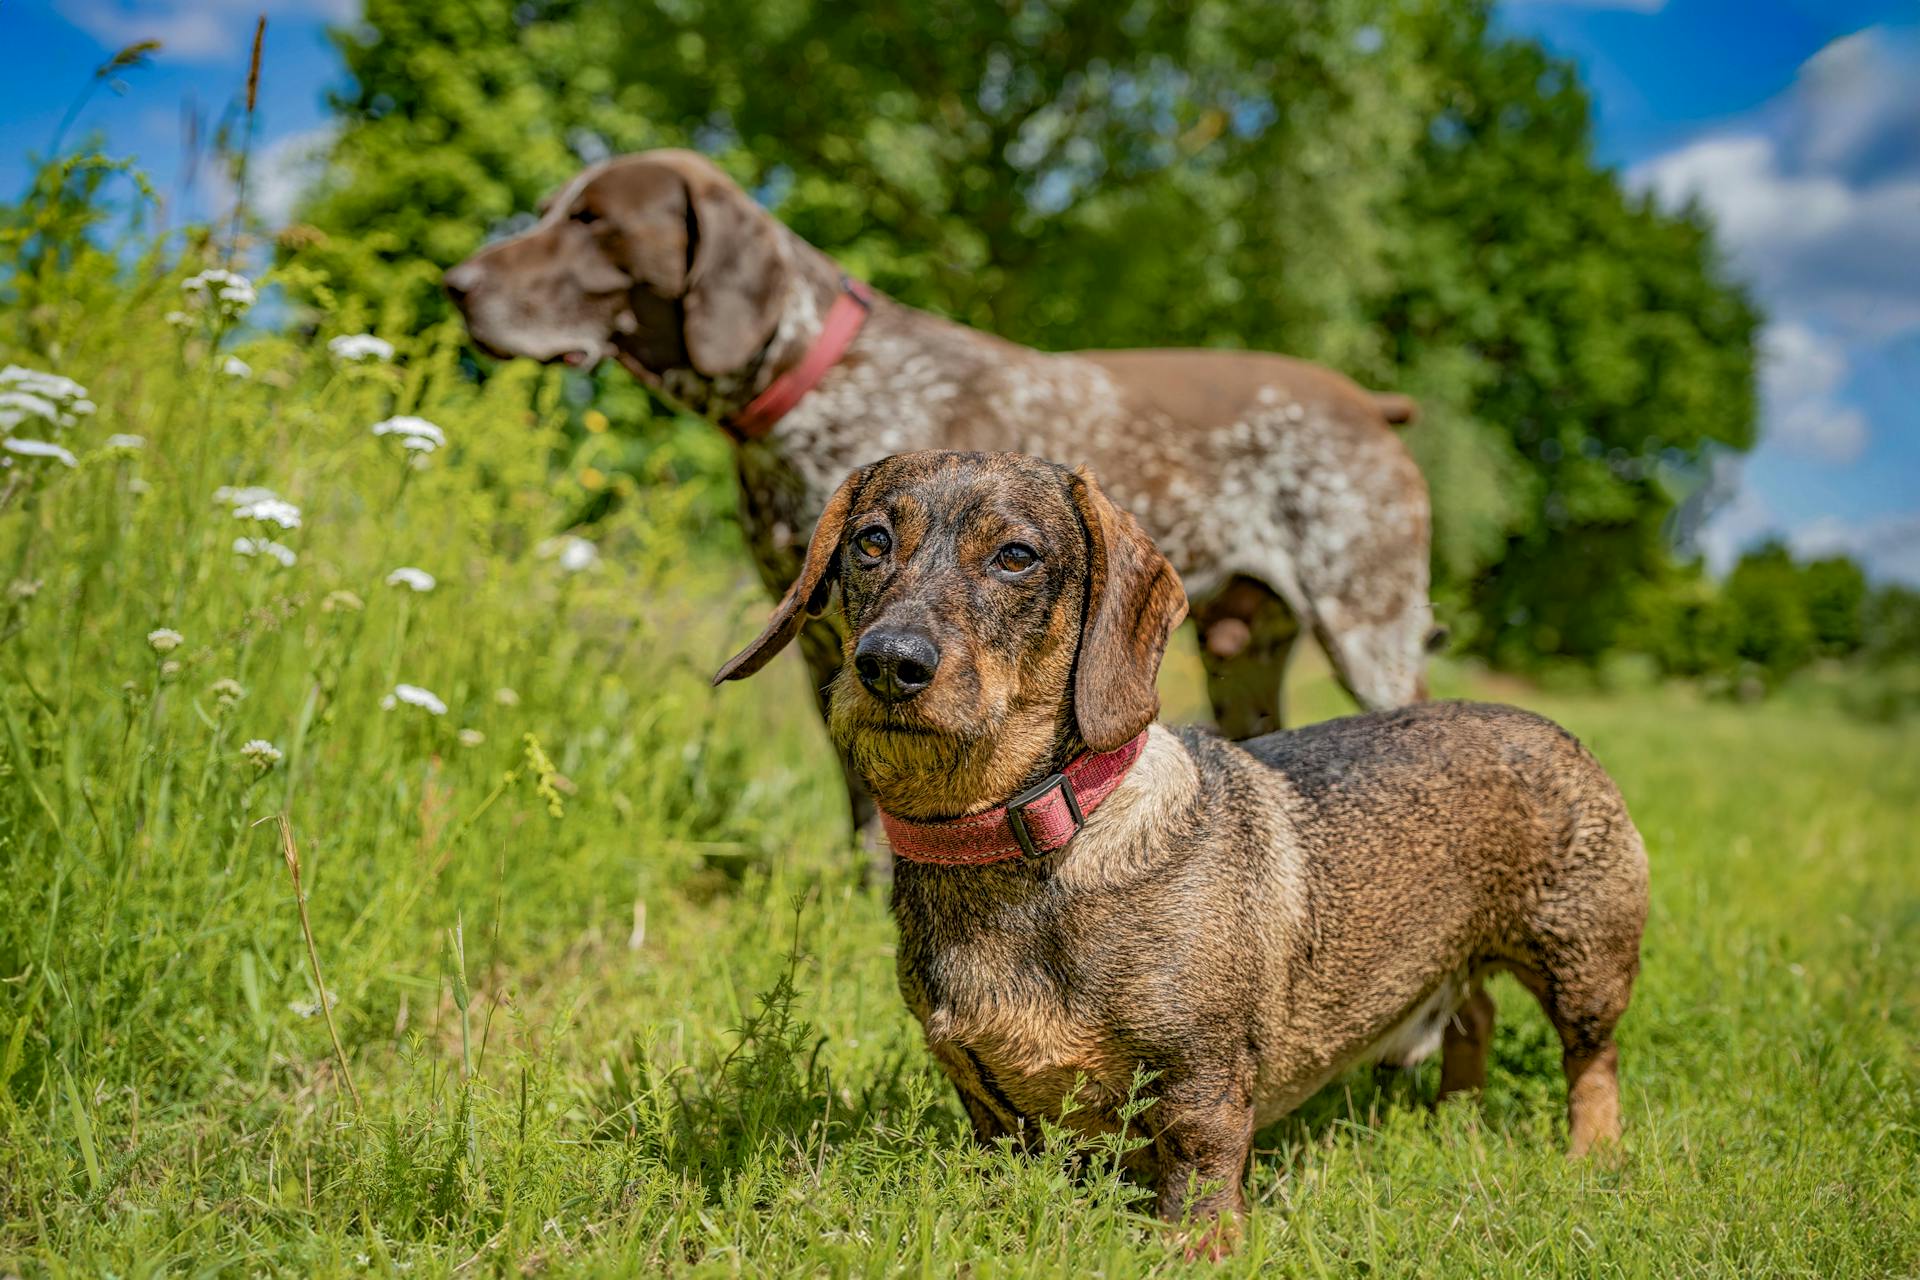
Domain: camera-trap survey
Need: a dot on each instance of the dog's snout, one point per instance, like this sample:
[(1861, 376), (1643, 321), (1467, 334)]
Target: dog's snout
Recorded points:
[(896, 663), (462, 280)]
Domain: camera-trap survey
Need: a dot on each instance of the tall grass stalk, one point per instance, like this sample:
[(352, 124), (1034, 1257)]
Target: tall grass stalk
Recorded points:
[(244, 161), (292, 855)]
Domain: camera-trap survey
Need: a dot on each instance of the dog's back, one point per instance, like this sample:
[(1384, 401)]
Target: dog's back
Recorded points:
[(1449, 840)]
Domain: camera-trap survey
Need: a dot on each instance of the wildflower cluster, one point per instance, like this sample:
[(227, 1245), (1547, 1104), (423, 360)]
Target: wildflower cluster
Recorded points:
[(28, 393), (266, 547), (356, 348), (269, 510), (413, 579), (261, 754), (225, 295), (37, 406), (47, 402), (414, 696), (417, 435)]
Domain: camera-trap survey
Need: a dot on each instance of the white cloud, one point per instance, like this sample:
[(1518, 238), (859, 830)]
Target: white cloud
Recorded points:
[(1816, 201), (1889, 546), (1800, 374), (1811, 242), (1817, 198), (1734, 527), (285, 168), (1859, 114), (281, 173), (191, 30)]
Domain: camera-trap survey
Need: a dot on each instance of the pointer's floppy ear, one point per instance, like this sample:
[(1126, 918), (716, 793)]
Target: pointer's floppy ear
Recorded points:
[(736, 278), (809, 594)]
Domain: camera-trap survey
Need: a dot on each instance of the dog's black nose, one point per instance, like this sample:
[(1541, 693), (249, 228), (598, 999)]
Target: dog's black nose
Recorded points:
[(459, 281), (896, 664)]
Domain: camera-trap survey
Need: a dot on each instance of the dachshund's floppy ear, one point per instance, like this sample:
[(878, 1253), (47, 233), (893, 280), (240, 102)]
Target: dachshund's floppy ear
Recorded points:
[(1134, 601), (808, 595)]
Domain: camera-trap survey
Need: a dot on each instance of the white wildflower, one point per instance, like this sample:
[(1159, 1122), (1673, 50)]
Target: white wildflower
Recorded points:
[(506, 697), (227, 691), (226, 292), (410, 429), (243, 497), (164, 639), (360, 346), (39, 449), (31, 393), (261, 754), (179, 320), (576, 554), (270, 511), (235, 367), (24, 588), (137, 485), (342, 602), (124, 442), (265, 547), (407, 576), (417, 444), (17, 406), (414, 696), (471, 737), (51, 385), (169, 669)]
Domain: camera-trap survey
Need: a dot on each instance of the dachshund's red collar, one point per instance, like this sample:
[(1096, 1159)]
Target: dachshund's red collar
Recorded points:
[(1038, 820), (844, 318)]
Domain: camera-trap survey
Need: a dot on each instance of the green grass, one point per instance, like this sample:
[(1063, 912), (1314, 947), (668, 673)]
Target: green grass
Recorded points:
[(681, 1048)]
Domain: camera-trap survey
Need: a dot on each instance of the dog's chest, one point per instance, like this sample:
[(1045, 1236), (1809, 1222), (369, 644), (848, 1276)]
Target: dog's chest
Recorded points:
[(1000, 1006)]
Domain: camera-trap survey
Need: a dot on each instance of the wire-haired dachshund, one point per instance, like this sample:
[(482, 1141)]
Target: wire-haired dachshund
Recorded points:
[(1082, 892)]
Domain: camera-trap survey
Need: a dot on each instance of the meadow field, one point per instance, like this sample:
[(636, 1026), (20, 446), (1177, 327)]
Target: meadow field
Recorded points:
[(602, 991)]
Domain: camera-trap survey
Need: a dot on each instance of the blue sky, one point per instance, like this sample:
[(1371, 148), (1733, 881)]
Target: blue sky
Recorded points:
[(1795, 122)]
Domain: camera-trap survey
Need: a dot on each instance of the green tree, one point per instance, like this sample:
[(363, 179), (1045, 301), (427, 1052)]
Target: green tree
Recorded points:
[(1391, 189), (1890, 624), (1834, 591), (1584, 343), (1073, 174), (1765, 608), (458, 119)]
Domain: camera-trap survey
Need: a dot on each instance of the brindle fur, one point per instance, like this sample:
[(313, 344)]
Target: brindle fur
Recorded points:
[(1245, 920), (1277, 488)]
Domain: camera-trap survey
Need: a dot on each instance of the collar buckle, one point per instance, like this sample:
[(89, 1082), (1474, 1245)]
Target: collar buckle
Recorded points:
[(1016, 810), (857, 291)]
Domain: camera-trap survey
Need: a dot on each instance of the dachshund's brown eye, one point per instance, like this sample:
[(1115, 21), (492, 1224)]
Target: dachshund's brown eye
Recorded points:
[(872, 543), (1015, 557)]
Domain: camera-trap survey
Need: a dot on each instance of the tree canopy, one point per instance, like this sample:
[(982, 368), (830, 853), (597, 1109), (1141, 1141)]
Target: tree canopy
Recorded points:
[(1395, 190)]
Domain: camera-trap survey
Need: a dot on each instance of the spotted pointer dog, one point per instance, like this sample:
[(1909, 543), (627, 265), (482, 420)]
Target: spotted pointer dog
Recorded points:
[(1277, 488), (1081, 892)]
